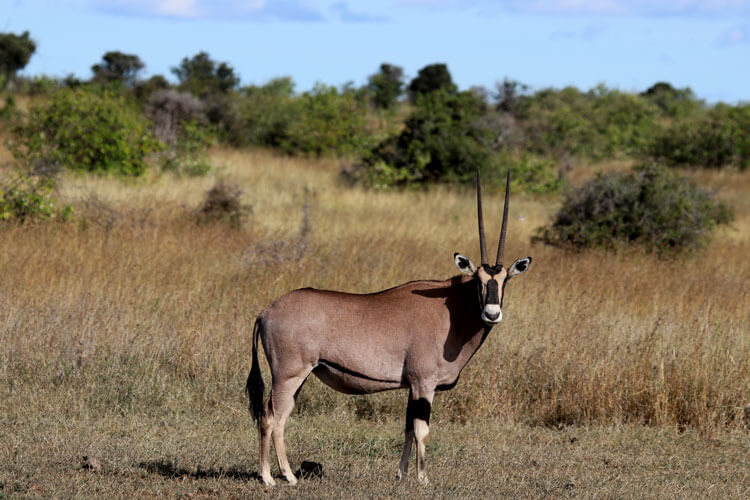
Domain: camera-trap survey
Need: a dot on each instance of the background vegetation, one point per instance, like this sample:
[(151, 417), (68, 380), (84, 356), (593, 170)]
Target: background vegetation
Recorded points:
[(186, 208)]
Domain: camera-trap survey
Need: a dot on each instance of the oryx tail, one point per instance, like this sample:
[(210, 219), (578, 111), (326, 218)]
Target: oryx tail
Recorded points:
[(255, 386)]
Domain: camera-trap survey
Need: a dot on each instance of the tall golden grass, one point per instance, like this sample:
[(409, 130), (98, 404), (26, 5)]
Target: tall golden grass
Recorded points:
[(139, 307)]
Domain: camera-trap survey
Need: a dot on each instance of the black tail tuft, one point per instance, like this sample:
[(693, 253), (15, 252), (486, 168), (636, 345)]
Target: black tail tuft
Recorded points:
[(255, 388)]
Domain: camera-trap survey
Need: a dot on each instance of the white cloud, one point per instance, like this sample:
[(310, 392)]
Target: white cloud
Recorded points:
[(177, 8), (260, 10), (594, 7)]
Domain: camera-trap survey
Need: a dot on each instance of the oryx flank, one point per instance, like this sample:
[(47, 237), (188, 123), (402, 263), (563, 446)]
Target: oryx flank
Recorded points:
[(418, 335)]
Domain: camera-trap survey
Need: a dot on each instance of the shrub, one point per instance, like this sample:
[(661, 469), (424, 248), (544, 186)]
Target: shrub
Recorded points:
[(443, 140), (38, 85), (223, 202), (528, 172), (672, 102), (29, 197), (90, 131), (179, 123), (718, 138), (265, 114), (650, 206), (598, 124), (145, 88), (326, 121)]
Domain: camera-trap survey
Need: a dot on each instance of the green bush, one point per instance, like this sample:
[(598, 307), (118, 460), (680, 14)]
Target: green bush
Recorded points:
[(326, 121), (598, 124), (443, 140), (37, 85), (672, 102), (717, 138), (650, 206), (265, 114), (89, 131), (29, 197), (528, 172)]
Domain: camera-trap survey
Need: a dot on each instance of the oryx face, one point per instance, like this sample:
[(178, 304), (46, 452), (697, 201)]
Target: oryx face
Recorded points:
[(491, 280)]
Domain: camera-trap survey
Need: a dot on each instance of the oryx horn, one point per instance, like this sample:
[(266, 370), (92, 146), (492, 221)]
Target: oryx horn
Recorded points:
[(501, 244), (482, 241)]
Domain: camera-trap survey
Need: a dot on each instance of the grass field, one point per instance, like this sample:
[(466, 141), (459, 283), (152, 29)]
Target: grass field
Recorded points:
[(125, 339)]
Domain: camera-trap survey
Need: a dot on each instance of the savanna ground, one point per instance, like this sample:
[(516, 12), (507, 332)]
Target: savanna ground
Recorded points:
[(125, 339)]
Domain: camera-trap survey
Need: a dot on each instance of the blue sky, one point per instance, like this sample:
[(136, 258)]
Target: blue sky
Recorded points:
[(624, 44)]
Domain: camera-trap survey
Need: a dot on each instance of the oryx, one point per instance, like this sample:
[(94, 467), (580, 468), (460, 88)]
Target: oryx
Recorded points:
[(418, 335)]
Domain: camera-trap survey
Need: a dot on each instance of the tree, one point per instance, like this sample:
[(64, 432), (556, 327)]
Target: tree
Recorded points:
[(144, 88), (508, 94), (202, 76), (386, 86), (118, 67), (282, 86), (431, 78), (443, 140), (671, 101), (15, 53)]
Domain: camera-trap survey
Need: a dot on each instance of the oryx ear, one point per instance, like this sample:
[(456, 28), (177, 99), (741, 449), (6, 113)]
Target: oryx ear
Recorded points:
[(519, 267), (464, 264)]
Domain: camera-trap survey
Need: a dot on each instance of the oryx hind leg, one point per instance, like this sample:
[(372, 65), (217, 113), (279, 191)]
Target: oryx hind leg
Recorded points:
[(265, 426), (283, 393)]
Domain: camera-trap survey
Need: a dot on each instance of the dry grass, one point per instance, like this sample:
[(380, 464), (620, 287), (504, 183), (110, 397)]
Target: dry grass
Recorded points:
[(126, 337)]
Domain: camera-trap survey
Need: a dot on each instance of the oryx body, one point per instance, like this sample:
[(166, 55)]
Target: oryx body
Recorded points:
[(418, 335)]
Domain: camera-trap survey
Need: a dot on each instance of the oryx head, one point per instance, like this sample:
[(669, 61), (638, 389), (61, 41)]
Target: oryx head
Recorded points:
[(491, 280)]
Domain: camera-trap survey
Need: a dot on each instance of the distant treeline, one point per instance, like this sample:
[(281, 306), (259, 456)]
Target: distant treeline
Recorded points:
[(392, 132), (388, 133)]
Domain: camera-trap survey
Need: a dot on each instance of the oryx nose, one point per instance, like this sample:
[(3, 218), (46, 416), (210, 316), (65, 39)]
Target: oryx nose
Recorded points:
[(492, 312), (492, 316)]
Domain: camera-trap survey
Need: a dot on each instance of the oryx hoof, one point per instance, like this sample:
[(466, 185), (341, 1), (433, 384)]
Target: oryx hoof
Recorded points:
[(268, 481)]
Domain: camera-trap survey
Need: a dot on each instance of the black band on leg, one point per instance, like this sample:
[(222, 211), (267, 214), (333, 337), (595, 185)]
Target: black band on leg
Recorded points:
[(419, 408)]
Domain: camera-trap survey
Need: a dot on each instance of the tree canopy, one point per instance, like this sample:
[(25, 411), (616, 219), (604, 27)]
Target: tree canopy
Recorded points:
[(386, 85), (431, 78), (117, 66), (201, 75), (15, 53)]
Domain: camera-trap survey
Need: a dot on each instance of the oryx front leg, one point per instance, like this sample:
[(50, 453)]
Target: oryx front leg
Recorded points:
[(403, 466), (417, 429)]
